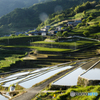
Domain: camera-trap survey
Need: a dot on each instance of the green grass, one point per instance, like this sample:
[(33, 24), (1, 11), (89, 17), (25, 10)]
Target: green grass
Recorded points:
[(98, 33), (78, 43), (55, 46), (97, 19), (19, 40), (51, 49), (77, 16), (59, 44), (8, 57), (65, 94), (93, 11), (38, 48)]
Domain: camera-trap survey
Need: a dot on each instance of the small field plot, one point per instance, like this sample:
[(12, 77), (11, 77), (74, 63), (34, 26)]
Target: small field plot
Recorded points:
[(62, 44), (8, 57)]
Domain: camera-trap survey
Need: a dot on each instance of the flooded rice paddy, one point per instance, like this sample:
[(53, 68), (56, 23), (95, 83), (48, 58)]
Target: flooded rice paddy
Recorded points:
[(70, 79), (93, 74), (3, 98), (29, 79)]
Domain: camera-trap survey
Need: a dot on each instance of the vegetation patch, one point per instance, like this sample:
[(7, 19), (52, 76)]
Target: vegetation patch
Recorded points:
[(8, 57), (18, 87), (65, 94)]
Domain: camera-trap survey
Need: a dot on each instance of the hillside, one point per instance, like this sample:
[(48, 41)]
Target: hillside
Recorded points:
[(88, 13), (28, 18), (73, 13), (7, 6)]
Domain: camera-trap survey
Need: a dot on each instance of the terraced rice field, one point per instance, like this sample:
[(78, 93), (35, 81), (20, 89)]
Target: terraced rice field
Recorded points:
[(28, 79), (72, 77)]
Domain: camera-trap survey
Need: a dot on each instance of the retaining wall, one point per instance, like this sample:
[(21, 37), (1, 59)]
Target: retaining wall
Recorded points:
[(86, 82)]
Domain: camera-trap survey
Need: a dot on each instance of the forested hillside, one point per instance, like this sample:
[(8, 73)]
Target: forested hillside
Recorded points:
[(7, 6), (29, 18), (67, 14)]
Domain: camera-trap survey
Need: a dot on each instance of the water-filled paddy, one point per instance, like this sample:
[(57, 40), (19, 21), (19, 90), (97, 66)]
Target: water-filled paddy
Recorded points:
[(32, 82), (39, 74), (70, 79), (93, 74), (3, 98)]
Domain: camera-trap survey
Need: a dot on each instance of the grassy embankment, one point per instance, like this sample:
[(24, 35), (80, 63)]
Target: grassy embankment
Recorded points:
[(65, 94)]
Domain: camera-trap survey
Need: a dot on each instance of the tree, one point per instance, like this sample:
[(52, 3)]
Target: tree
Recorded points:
[(52, 28), (59, 34), (63, 28), (99, 24), (84, 12), (65, 34), (84, 21), (12, 34), (21, 35), (89, 18)]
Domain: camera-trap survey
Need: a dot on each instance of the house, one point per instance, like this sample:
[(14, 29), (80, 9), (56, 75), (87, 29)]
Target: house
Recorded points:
[(17, 33), (44, 33), (70, 23), (73, 23), (77, 22), (52, 32), (58, 28), (27, 34), (7, 35), (43, 29), (33, 33), (30, 34), (46, 28)]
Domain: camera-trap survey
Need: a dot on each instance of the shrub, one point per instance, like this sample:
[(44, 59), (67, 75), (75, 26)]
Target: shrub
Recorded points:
[(65, 34), (89, 18), (59, 34), (84, 21), (80, 24), (86, 33)]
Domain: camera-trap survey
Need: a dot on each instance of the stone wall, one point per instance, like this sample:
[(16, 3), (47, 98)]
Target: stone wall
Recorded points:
[(85, 82)]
